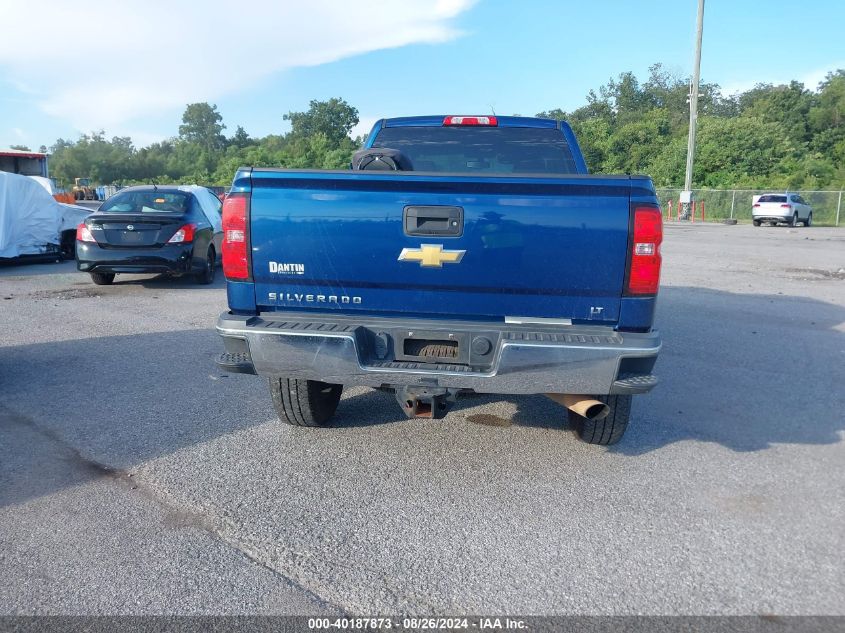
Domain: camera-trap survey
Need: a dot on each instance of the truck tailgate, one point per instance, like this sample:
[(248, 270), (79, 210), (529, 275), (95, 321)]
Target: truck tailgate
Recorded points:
[(527, 247)]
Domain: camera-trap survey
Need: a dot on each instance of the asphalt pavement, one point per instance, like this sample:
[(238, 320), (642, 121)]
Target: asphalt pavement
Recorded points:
[(136, 477)]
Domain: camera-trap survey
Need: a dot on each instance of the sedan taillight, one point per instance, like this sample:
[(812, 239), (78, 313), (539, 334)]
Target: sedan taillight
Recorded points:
[(83, 234), (184, 235)]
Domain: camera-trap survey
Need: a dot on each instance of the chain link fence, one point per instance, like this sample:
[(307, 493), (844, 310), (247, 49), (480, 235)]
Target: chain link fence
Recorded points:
[(721, 204)]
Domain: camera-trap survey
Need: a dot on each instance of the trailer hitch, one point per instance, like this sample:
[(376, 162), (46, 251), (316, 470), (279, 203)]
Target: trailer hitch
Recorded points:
[(426, 402)]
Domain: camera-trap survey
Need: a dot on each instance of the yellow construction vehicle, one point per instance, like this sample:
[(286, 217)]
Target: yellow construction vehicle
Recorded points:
[(82, 189)]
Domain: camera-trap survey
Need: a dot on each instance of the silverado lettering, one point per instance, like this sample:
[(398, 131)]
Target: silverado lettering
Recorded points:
[(287, 296)]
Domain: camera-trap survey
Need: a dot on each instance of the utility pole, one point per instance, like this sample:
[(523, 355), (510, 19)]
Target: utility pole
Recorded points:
[(686, 195)]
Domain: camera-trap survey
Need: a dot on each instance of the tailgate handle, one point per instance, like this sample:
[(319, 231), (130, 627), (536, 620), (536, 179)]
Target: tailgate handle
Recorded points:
[(434, 220)]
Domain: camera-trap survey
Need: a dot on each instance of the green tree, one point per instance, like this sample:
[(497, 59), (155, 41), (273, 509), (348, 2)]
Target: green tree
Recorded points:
[(770, 136), (240, 139), (625, 96), (20, 148), (93, 156), (633, 147), (788, 105), (827, 118), (741, 151), (333, 118), (203, 125), (594, 138)]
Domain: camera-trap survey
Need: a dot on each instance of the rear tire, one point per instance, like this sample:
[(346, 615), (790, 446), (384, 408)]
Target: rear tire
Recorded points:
[(609, 430), (304, 402), (794, 220), (809, 220), (209, 268), (102, 279), (68, 245), (756, 222)]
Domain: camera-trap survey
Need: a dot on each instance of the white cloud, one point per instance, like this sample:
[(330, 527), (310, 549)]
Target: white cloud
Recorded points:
[(811, 80), (148, 57)]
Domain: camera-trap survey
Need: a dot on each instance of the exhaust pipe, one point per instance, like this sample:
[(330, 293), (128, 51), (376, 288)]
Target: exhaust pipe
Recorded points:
[(585, 406)]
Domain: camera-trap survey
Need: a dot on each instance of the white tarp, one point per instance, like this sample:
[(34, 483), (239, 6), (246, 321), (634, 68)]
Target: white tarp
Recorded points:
[(47, 183), (72, 215), (30, 218)]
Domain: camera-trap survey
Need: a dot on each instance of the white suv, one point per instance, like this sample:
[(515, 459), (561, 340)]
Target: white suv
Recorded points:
[(781, 207)]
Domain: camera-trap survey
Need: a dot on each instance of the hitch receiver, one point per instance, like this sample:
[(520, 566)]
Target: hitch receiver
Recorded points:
[(426, 402)]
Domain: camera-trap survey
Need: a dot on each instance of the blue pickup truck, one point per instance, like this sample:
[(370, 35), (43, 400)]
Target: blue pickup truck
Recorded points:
[(459, 254)]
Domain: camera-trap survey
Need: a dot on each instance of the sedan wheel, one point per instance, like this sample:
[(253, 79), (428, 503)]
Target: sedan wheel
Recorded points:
[(102, 279), (207, 275)]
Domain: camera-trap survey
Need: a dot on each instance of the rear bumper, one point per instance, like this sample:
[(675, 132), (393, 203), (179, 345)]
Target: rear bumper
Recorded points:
[(170, 258), (772, 217), (520, 359)]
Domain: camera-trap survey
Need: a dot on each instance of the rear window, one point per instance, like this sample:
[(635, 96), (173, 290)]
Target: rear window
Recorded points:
[(498, 150), (772, 199), (146, 202)]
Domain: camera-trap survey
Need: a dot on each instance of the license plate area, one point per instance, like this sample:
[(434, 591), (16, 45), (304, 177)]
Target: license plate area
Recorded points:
[(432, 347), (132, 237), (475, 349)]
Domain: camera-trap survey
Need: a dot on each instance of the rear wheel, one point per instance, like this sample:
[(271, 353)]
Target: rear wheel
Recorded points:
[(794, 220), (756, 222), (102, 279), (809, 220), (304, 402), (209, 268), (609, 430)]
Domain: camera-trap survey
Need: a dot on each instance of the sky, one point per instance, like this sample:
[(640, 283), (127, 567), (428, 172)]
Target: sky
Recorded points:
[(135, 64)]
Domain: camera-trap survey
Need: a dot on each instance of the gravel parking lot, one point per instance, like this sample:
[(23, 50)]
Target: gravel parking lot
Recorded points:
[(137, 478)]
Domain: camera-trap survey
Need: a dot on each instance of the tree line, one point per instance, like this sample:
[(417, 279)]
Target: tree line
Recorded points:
[(771, 136)]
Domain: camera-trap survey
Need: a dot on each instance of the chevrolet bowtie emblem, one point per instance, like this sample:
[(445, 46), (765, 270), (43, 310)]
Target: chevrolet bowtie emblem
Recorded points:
[(430, 255)]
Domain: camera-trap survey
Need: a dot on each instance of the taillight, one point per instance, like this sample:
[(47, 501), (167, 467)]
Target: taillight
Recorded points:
[(785, 206), (471, 120), (184, 235), (235, 246), (756, 205), (644, 273), (83, 234)]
